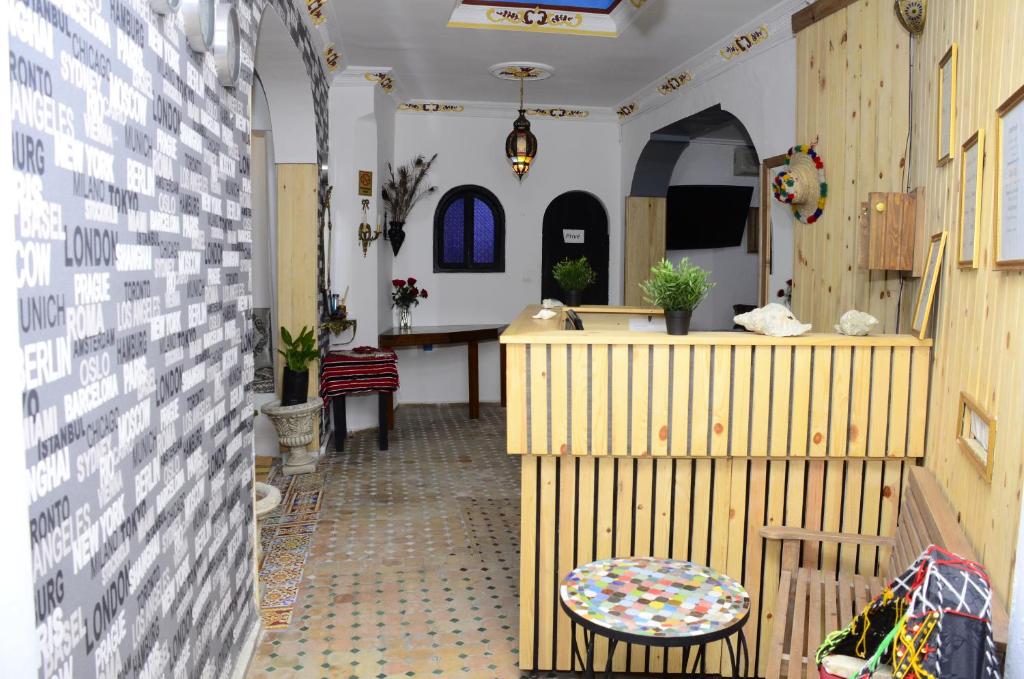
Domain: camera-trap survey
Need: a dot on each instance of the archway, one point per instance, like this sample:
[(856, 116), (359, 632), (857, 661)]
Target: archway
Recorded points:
[(575, 225)]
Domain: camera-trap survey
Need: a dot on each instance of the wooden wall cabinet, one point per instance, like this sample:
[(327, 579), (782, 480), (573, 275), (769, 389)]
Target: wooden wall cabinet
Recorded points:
[(890, 228)]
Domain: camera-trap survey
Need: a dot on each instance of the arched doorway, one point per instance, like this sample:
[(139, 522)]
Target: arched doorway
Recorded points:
[(575, 225)]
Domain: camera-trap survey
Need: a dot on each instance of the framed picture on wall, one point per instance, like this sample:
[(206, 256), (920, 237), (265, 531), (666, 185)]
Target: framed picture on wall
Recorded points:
[(1009, 250), (929, 281), (946, 121), (972, 161), (976, 434)]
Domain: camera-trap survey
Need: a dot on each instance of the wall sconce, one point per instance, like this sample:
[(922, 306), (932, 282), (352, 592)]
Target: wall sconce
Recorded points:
[(366, 233)]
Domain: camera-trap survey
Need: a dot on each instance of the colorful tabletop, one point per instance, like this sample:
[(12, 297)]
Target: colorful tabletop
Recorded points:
[(656, 599)]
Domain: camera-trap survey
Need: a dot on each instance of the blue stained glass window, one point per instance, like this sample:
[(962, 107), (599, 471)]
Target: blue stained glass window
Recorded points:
[(469, 231), (483, 232), (454, 232)]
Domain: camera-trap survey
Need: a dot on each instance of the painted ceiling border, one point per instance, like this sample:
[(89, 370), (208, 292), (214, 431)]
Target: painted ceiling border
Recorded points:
[(496, 17), (491, 109), (759, 34)]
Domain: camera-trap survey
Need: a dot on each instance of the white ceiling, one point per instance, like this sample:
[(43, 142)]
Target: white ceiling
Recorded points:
[(434, 62)]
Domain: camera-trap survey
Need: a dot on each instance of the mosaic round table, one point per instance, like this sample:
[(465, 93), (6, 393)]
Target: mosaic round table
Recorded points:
[(657, 602)]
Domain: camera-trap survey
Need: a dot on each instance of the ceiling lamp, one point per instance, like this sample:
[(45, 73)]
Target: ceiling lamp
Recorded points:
[(521, 145)]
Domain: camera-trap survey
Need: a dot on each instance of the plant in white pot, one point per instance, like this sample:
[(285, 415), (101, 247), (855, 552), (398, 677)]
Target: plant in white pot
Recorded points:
[(678, 291), (574, 276)]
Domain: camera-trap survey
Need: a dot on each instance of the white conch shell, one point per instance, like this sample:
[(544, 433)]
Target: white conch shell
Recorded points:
[(774, 320), (856, 323)]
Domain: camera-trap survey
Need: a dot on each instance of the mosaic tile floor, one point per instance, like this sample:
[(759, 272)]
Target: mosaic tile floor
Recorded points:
[(414, 564)]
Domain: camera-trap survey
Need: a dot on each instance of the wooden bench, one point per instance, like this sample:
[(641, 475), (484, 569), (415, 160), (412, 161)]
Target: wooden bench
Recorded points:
[(812, 603)]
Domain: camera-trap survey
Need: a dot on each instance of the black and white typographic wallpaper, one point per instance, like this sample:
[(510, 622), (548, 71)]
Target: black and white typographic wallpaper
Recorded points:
[(133, 251)]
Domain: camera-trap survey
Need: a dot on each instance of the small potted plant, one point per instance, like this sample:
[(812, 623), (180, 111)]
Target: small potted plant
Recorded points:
[(404, 296), (401, 190), (678, 291), (574, 276), (298, 353)]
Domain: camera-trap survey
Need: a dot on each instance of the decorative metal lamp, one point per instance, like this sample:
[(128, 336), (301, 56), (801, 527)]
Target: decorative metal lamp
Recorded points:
[(366, 233), (911, 14), (521, 145)]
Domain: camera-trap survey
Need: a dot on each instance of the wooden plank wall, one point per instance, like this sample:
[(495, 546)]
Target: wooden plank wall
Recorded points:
[(852, 84), (576, 509), (645, 239), (843, 62)]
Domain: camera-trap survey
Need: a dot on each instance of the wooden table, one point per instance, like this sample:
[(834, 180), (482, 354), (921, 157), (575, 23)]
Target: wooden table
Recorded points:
[(470, 335)]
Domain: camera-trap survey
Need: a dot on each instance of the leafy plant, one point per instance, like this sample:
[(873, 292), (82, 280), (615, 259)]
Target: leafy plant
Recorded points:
[(298, 352), (404, 188), (574, 274), (673, 289)]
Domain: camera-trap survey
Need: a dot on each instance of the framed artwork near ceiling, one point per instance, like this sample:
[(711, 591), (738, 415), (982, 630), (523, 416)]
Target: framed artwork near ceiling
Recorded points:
[(976, 434), (946, 107), (929, 281), (365, 183), (972, 161), (1009, 231)]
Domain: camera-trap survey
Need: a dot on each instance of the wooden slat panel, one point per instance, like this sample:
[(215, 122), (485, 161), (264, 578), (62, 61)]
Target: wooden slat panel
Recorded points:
[(840, 411), (546, 563), (781, 379), (899, 397), (579, 393), (623, 530), (640, 400), (762, 406), (538, 358), (586, 518), (527, 561), (642, 512), (567, 503), (815, 610), (859, 402), (756, 493), (559, 417), (848, 554), (800, 405), (599, 413), (659, 400), (605, 517), (778, 640), (796, 640), (919, 383), (679, 444), (878, 410), (741, 397), (515, 381), (821, 401), (772, 552), (620, 415), (832, 515), (720, 400), (813, 502), (682, 497), (700, 400), (869, 514), (662, 512)]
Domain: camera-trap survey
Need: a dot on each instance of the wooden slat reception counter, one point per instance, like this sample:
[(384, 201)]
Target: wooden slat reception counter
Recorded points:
[(642, 443)]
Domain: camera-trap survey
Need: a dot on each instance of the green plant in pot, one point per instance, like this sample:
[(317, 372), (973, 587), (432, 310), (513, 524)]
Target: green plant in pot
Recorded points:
[(574, 276), (298, 353), (678, 291)]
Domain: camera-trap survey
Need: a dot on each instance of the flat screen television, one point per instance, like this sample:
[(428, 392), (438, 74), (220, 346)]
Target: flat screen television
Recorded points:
[(700, 217)]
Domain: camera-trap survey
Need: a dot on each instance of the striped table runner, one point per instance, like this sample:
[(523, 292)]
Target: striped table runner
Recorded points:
[(358, 371)]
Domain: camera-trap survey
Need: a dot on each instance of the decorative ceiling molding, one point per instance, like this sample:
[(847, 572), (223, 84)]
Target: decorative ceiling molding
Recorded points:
[(521, 70), (760, 34), (537, 19), (488, 109), (332, 57), (382, 78), (367, 76)]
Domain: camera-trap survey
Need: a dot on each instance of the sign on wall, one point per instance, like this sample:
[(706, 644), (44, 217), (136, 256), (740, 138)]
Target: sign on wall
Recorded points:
[(575, 236)]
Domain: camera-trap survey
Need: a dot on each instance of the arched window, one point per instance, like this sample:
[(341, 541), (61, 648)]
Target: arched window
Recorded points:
[(469, 231)]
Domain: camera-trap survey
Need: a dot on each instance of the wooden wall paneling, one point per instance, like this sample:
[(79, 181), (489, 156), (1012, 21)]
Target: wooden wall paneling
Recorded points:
[(721, 394), (859, 402), (566, 557), (546, 564), (528, 562), (660, 413), (604, 517), (869, 514), (832, 514), (899, 402), (643, 494), (782, 365), (579, 394), (761, 405), (586, 523), (850, 520), (821, 401), (739, 505), (682, 514), (679, 436), (813, 508), (774, 516), (620, 414), (624, 537), (917, 409), (892, 484), (662, 516), (639, 421), (878, 409), (839, 420), (755, 504), (515, 413), (700, 400), (742, 395), (559, 413), (644, 244), (800, 407), (719, 540), (599, 439), (816, 12)]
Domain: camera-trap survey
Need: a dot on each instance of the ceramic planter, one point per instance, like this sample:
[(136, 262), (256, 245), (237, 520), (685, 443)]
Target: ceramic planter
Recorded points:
[(678, 322)]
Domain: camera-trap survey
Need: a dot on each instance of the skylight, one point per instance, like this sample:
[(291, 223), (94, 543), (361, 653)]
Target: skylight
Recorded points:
[(605, 18)]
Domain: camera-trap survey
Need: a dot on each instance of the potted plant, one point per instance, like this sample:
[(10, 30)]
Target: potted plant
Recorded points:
[(401, 191), (298, 353), (678, 291), (404, 296), (574, 276)]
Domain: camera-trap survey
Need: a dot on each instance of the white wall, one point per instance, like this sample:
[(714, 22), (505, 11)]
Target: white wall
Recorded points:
[(572, 155), (760, 90), (733, 270)]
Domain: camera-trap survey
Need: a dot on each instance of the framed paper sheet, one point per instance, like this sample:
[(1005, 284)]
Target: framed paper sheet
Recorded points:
[(1010, 184), (972, 160), (947, 106), (976, 434), (929, 281)]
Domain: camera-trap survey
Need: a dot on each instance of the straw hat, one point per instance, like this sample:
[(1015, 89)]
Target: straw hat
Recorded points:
[(802, 184)]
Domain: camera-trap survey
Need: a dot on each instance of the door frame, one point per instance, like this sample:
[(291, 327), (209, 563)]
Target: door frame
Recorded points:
[(765, 258)]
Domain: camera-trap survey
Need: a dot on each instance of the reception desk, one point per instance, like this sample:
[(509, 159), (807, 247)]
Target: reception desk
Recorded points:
[(635, 442)]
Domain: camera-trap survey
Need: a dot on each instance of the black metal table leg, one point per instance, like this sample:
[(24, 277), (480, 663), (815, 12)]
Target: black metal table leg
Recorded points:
[(340, 423), (383, 405)]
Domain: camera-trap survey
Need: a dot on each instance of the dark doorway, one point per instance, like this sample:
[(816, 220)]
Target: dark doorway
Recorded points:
[(575, 225)]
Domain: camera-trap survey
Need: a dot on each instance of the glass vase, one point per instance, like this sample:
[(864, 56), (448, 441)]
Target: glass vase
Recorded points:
[(404, 318)]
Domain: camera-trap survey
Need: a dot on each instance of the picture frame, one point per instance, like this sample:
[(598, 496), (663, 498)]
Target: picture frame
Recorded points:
[(972, 163), (946, 106), (929, 281), (1009, 201), (976, 435)]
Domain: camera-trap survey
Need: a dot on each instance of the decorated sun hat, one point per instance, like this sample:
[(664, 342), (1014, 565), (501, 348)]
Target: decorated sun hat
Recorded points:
[(802, 184)]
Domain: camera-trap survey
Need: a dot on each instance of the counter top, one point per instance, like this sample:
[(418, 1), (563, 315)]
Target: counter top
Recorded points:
[(610, 325)]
